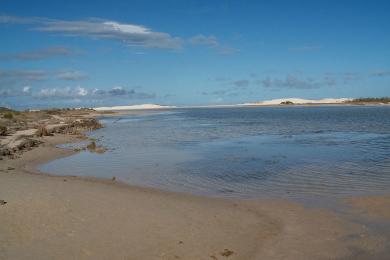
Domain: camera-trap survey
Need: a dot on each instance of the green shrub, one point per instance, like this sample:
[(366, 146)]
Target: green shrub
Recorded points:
[(385, 100), (3, 130), (53, 111), (8, 115)]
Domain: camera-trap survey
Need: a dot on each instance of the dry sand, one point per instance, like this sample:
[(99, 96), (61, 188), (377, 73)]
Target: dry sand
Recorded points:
[(47, 217)]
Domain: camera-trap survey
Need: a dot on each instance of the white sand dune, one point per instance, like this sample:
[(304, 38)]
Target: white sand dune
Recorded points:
[(133, 107), (300, 101)]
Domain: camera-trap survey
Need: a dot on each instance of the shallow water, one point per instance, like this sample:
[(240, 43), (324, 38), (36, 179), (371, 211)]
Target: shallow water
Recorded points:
[(298, 152)]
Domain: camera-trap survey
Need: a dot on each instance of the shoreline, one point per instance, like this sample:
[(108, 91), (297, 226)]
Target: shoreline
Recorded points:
[(146, 111), (83, 217)]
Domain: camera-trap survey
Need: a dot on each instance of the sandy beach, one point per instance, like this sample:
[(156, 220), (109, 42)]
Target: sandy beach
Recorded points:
[(194, 130), (51, 217)]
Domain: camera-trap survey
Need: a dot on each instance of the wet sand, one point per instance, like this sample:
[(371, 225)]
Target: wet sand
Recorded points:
[(372, 206), (52, 217)]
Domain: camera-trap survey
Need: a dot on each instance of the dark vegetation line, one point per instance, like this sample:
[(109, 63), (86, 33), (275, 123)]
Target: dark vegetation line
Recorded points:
[(385, 100)]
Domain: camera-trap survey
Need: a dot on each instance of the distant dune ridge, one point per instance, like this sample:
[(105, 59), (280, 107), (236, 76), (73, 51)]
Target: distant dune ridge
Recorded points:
[(272, 102), (134, 107), (299, 101)]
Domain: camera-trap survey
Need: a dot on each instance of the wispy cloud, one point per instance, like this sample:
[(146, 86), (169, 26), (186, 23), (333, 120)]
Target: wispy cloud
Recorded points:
[(212, 42), (290, 82), (330, 80), (232, 88), (9, 78), (381, 73), (301, 82), (200, 39), (71, 75), (241, 83), (221, 79), (97, 28), (129, 34), (220, 92), (20, 77), (21, 20), (349, 77), (227, 50), (38, 54), (170, 95)]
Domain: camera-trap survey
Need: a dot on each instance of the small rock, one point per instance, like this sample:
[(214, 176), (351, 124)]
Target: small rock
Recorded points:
[(10, 168), (227, 252), (100, 150), (113, 178), (2, 202), (91, 146)]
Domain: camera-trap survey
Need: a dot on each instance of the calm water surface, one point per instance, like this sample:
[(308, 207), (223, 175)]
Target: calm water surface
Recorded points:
[(244, 152)]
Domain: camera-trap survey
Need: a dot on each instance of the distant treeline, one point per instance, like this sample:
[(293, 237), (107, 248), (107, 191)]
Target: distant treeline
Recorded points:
[(371, 100)]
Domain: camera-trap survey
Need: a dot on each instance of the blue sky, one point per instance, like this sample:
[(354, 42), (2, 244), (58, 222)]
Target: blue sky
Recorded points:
[(102, 53)]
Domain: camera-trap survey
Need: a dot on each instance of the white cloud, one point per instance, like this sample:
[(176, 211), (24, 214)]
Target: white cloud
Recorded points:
[(128, 28), (53, 92), (94, 93), (126, 33), (66, 92), (26, 90), (81, 91), (129, 34)]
